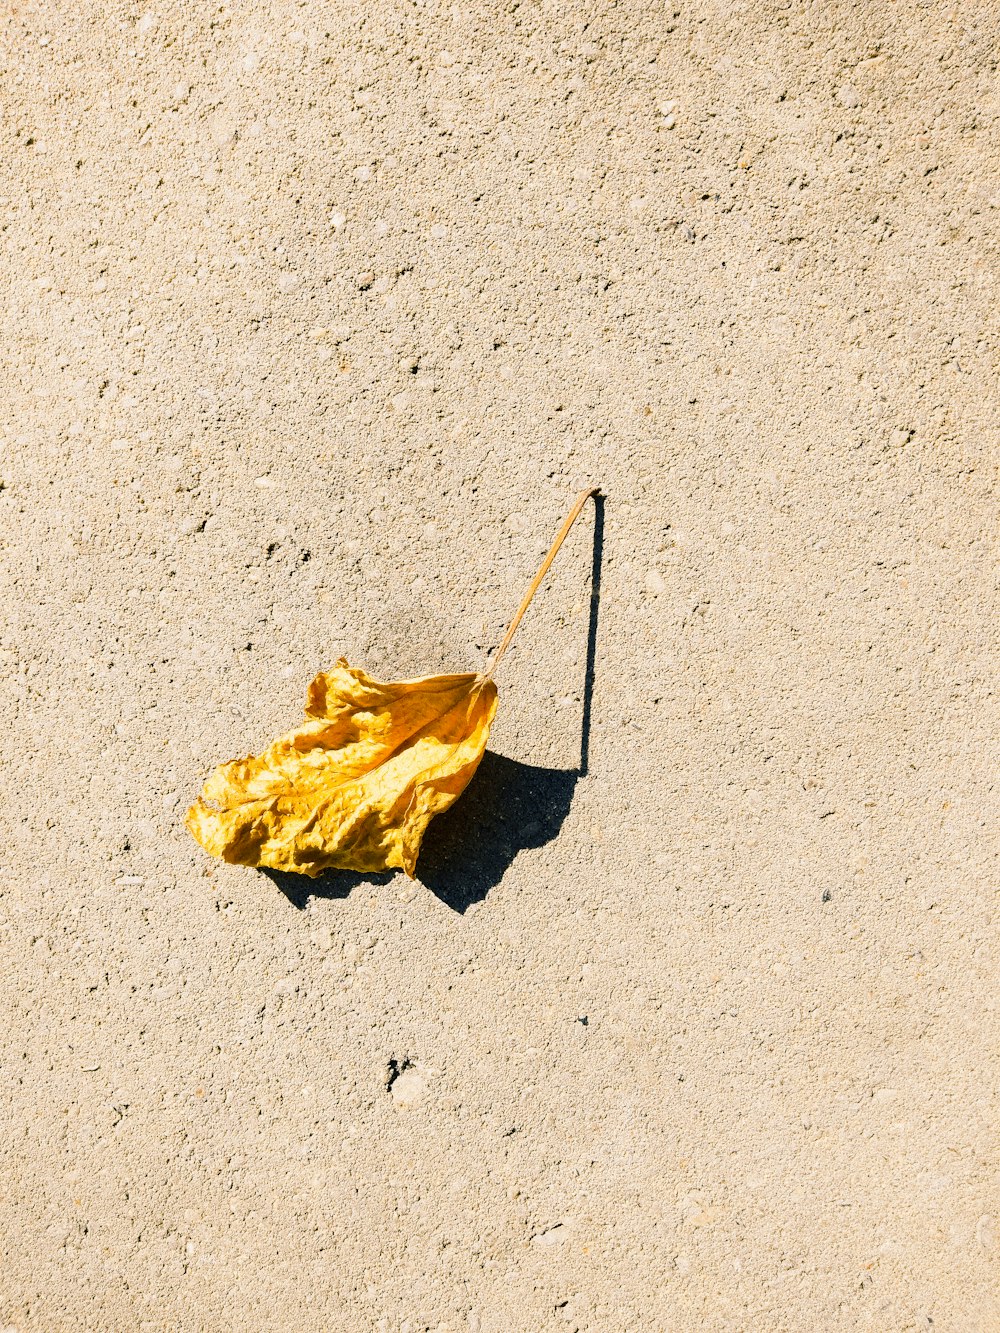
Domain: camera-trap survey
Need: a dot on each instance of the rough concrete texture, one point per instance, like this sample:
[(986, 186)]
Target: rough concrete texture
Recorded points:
[(315, 317)]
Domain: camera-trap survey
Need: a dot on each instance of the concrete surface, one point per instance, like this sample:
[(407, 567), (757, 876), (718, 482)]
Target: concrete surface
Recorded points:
[(315, 317)]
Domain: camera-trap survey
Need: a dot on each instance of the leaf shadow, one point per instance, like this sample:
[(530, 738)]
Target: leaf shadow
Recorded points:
[(298, 889), (507, 807)]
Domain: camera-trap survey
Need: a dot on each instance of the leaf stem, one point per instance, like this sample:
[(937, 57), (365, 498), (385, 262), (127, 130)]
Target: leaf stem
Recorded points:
[(543, 569)]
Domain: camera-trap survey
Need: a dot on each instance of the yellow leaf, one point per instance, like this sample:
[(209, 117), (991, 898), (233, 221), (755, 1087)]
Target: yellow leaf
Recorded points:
[(356, 785)]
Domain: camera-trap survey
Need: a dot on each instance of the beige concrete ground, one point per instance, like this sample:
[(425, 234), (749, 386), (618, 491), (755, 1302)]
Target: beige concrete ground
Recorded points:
[(314, 318)]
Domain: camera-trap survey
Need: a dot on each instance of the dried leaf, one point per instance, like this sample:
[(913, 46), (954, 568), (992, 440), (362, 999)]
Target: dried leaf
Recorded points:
[(357, 784)]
